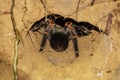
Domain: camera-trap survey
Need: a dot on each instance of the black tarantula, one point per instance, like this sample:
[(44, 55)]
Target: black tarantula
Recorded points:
[(59, 31)]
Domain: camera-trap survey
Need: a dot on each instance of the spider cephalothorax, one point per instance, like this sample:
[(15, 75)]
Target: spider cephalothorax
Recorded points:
[(59, 31)]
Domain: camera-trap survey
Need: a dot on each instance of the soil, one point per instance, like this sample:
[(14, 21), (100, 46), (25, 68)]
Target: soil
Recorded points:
[(99, 53)]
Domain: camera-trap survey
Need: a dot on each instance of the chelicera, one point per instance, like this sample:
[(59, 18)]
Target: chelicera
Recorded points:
[(60, 30)]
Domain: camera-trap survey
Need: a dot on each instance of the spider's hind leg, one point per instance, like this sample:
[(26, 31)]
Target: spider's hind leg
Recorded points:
[(75, 43), (43, 42), (73, 36)]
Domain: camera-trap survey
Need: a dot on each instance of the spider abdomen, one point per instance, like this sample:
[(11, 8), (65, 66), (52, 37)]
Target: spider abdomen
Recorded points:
[(59, 41)]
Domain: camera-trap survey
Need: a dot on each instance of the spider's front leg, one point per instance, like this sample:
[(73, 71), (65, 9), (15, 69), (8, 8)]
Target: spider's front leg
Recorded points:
[(73, 36), (38, 25), (84, 28)]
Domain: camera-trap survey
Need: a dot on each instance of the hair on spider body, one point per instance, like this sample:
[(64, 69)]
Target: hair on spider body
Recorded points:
[(59, 41), (60, 30)]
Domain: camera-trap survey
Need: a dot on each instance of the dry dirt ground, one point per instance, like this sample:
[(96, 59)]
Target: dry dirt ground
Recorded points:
[(99, 53)]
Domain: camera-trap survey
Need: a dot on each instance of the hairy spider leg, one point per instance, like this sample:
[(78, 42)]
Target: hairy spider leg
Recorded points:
[(90, 26), (75, 42), (45, 35), (73, 36), (75, 46), (37, 25), (43, 41)]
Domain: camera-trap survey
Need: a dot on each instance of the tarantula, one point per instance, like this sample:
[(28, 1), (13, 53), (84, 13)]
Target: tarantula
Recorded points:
[(60, 30)]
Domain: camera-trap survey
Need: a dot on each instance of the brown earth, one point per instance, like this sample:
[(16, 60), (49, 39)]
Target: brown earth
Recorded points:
[(99, 53)]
